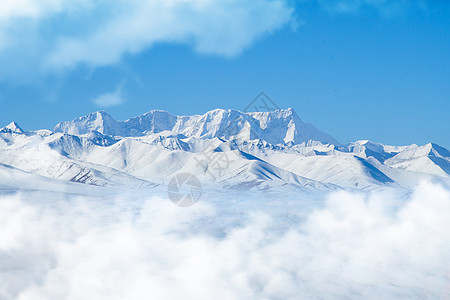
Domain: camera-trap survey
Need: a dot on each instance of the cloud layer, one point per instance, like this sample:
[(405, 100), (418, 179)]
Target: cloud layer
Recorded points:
[(53, 35), (350, 247)]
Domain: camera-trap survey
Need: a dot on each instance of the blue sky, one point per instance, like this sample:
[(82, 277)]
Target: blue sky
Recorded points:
[(357, 69)]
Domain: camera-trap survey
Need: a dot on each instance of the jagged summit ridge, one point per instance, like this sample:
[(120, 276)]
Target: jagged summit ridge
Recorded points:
[(275, 127), (99, 121), (13, 127)]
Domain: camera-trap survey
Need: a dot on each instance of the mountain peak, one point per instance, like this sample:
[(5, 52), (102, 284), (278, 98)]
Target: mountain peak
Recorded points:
[(439, 151), (14, 127), (288, 110), (101, 113), (99, 121), (98, 114)]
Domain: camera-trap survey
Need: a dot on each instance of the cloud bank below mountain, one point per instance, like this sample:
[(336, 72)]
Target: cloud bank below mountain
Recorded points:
[(350, 246)]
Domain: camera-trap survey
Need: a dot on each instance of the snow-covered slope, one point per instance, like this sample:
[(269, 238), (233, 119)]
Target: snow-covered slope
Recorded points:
[(225, 149)]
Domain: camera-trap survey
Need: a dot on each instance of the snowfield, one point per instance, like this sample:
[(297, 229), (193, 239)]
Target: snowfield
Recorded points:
[(284, 211)]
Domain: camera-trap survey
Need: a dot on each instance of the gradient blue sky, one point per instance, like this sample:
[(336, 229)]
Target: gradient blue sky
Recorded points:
[(357, 69)]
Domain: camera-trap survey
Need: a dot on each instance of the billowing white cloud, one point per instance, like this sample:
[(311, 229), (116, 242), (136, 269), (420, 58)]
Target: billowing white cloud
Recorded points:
[(47, 36), (352, 247), (110, 99), (58, 34)]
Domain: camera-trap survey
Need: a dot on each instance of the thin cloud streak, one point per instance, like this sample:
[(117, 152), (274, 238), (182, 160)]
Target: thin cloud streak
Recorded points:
[(387, 8), (110, 99)]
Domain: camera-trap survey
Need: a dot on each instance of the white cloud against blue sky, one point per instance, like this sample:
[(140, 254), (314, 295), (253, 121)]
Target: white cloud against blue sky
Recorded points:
[(97, 33), (110, 99), (384, 7), (59, 34)]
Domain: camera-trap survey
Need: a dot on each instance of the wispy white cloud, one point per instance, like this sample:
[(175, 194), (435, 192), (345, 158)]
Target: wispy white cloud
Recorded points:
[(51, 35), (384, 7), (353, 247), (110, 99)]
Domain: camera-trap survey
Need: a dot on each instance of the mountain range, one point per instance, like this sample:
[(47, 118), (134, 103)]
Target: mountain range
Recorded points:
[(224, 149)]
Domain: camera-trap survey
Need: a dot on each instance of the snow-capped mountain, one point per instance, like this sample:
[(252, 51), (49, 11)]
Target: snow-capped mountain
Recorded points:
[(225, 149), (281, 126)]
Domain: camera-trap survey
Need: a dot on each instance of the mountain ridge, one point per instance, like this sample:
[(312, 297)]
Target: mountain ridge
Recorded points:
[(215, 123), (225, 149)]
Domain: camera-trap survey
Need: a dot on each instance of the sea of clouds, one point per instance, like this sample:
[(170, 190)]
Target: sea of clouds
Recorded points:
[(348, 246)]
